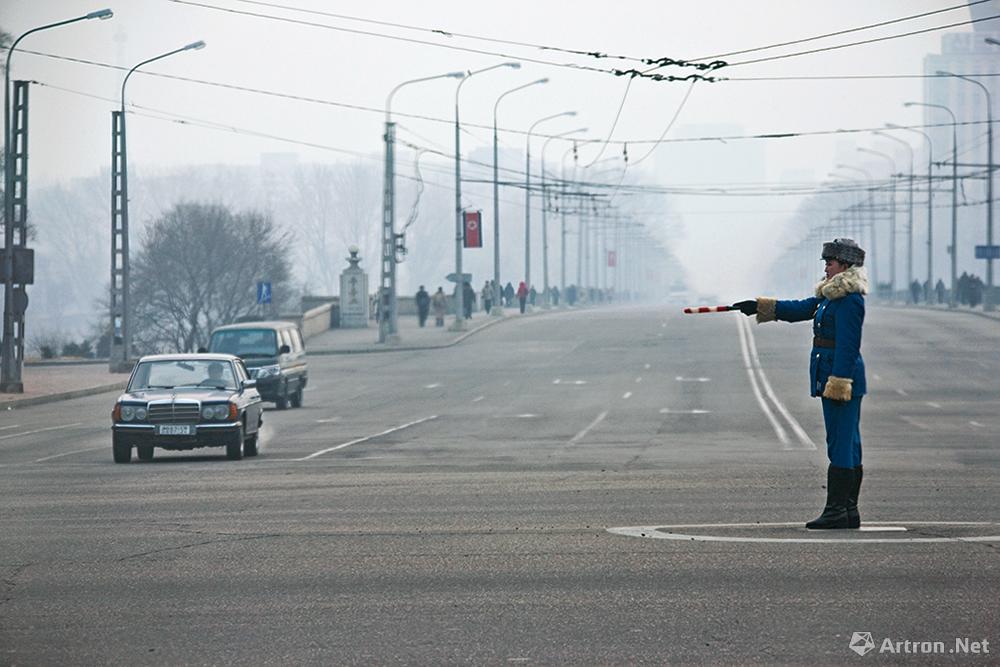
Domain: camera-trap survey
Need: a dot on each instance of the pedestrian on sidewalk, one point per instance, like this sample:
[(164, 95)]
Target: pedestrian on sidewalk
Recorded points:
[(915, 291), (487, 296), (508, 294), (836, 369), (522, 295), (939, 290), (468, 299), (440, 304), (532, 295), (555, 295), (423, 300)]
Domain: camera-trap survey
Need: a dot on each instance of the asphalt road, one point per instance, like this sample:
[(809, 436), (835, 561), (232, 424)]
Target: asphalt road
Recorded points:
[(456, 506)]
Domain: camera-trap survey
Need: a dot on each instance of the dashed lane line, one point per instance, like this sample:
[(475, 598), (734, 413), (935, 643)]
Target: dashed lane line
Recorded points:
[(76, 451), (40, 430), (366, 438), (627, 395), (579, 436)]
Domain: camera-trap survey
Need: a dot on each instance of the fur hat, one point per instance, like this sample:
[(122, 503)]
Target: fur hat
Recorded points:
[(844, 250)]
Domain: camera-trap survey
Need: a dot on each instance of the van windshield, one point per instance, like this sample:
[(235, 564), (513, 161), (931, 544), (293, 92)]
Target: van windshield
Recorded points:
[(245, 343)]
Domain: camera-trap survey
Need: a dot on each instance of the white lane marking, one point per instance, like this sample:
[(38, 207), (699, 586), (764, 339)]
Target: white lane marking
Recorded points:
[(556, 381), (934, 405), (526, 415), (846, 537), (7, 428), (976, 424), (327, 421), (913, 422), (367, 437), (646, 367), (39, 430), (681, 378), (902, 392), (800, 432), (76, 451), (432, 386), (579, 382), (478, 398), (638, 380), (627, 395), (877, 376), (778, 429), (668, 411), (579, 436)]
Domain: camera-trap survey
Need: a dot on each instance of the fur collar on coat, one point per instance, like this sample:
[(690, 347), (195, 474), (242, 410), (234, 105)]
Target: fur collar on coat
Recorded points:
[(853, 280)]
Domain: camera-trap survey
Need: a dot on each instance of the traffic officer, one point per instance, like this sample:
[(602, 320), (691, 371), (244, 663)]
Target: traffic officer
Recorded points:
[(836, 369)]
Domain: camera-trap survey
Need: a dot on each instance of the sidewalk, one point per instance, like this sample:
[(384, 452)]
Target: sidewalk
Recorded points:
[(56, 381), (943, 307)]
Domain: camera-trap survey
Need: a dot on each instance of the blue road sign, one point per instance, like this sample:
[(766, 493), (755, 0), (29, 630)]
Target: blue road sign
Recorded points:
[(263, 293), (988, 252)]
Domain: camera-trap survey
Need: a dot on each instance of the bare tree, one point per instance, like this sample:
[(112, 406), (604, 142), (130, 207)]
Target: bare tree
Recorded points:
[(197, 268)]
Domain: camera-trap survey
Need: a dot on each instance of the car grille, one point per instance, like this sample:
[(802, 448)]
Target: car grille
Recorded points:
[(174, 413)]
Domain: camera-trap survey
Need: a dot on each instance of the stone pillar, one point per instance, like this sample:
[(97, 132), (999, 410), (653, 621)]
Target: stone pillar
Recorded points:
[(353, 294)]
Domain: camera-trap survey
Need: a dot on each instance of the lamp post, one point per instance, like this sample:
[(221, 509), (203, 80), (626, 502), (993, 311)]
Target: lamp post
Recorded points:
[(953, 298), (497, 309), (121, 330), (871, 210), (527, 193), (892, 219), (388, 330), (930, 198), (988, 303), (545, 226), (459, 324), (12, 352), (909, 222)]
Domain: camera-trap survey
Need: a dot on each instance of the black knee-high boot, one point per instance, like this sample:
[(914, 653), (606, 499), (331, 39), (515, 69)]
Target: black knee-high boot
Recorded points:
[(839, 485), (853, 516)]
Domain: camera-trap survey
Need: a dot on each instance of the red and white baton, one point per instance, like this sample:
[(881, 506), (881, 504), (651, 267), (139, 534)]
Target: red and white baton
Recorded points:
[(707, 309)]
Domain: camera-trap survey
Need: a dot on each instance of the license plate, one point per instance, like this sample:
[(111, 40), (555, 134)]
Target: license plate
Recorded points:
[(175, 429)]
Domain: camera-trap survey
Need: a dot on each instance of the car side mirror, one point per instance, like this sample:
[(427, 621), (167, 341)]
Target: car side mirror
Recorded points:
[(249, 384), (202, 350), (284, 349)]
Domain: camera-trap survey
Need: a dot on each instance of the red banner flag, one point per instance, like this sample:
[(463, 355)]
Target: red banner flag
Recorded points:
[(473, 237)]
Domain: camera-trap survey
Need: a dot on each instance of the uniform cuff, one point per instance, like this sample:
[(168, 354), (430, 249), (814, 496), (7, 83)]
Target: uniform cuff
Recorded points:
[(766, 309), (837, 388)]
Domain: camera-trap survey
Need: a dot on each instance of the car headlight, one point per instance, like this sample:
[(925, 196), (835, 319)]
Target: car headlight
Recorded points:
[(140, 413), (128, 413), (268, 371), (215, 411)]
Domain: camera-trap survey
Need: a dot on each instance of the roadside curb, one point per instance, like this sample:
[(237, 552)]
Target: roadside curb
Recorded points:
[(438, 346), (62, 396), (977, 313)]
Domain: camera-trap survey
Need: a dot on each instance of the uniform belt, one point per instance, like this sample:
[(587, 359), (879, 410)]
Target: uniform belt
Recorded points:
[(823, 342)]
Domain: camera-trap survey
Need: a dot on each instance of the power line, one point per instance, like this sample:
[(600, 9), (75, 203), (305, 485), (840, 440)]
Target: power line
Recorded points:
[(847, 77), (865, 41), (446, 33), (844, 32), (448, 121)]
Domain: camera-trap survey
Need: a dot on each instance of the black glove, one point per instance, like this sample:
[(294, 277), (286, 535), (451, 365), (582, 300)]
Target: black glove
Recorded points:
[(746, 307)]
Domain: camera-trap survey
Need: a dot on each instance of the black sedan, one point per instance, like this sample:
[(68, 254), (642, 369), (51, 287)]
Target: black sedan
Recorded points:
[(186, 401)]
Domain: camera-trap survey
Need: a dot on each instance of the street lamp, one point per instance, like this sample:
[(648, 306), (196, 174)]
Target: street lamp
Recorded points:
[(388, 330), (527, 193), (12, 352), (545, 226), (930, 199), (871, 210), (988, 301), (121, 334), (953, 299), (498, 302), (459, 324), (892, 219), (909, 223)]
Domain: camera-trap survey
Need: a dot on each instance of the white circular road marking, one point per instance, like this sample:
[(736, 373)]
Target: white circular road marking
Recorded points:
[(679, 532)]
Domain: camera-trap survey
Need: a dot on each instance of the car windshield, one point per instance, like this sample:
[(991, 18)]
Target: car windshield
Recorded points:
[(245, 342), (183, 373)]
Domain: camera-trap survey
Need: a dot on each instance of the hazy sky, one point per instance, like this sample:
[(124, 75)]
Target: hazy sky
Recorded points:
[(70, 133)]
